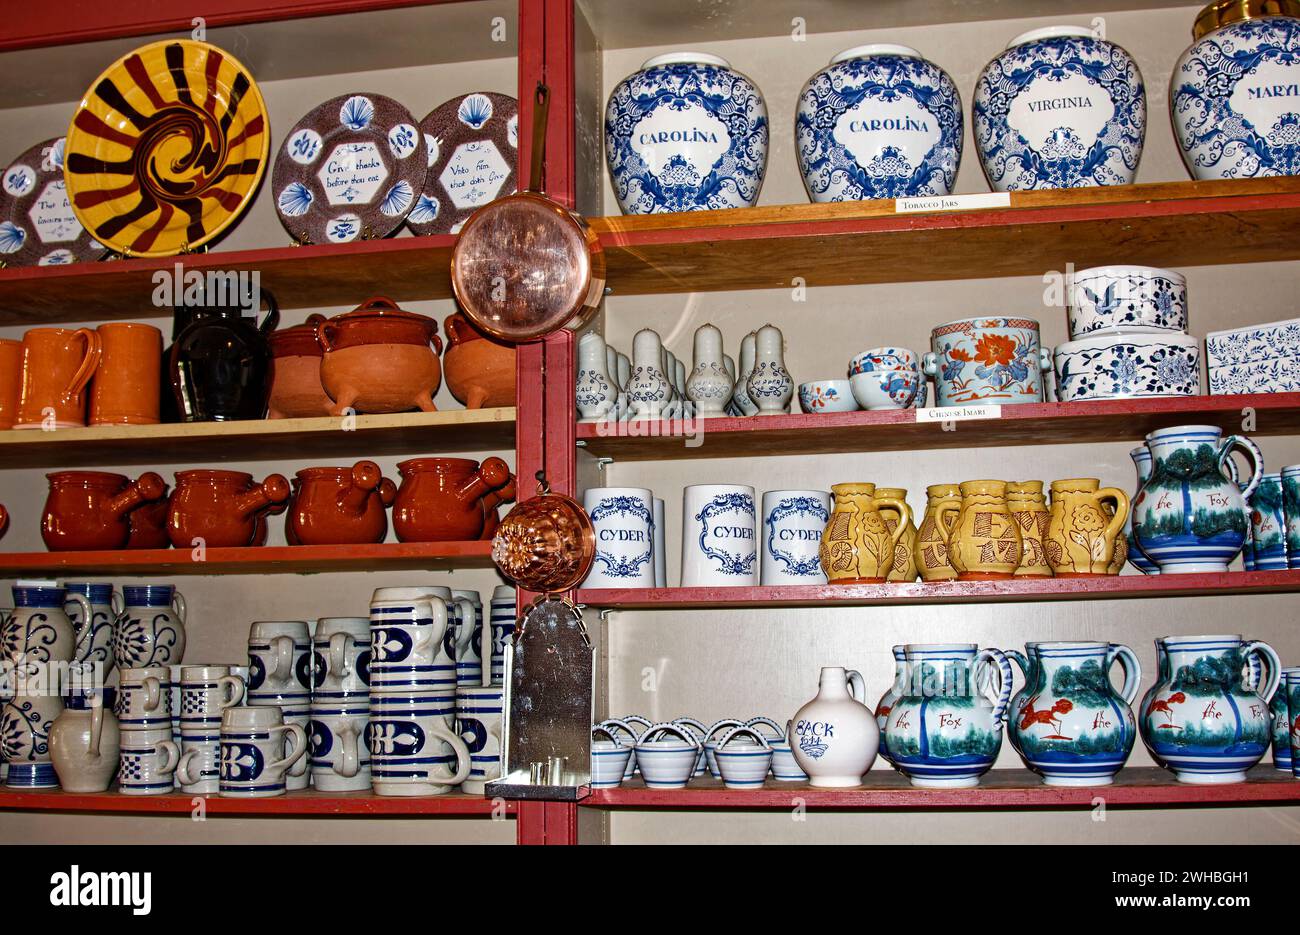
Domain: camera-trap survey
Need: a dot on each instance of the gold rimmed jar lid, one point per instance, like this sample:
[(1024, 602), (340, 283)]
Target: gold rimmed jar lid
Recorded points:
[(1222, 12)]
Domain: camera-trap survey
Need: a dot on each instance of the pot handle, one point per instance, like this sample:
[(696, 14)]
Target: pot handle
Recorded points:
[(744, 729), (727, 722), (89, 363), (1253, 455), (178, 605), (289, 762), (387, 492), (338, 660), (272, 319), (96, 724), (857, 685), (1019, 659), (1132, 670), (283, 648), (1268, 656), (995, 657), (766, 722), (349, 749), (930, 364), (323, 331), (148, 486), (237, 690), (904, 520), (606, 724), (463, 761), (668, 727), (946, 506)]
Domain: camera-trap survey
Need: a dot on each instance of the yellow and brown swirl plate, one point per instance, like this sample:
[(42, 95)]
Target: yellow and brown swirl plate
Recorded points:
[(166, 149)]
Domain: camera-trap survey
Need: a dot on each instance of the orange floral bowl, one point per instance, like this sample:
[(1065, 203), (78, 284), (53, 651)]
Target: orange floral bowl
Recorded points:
[(987, 360)]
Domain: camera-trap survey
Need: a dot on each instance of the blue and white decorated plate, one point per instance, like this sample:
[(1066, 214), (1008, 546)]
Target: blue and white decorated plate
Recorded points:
[(37, 224), (351, 169)]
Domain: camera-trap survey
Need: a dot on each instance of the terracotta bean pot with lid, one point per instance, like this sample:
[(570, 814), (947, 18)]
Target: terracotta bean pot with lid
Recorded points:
[(90, 510), (480, 370), (378, 359), (339, 505), (296, 390), (441, 499), (220, 507)]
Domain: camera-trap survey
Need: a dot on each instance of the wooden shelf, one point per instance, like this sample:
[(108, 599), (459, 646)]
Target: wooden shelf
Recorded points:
[(257, 440), (898, 429), (312, 803), (1170, 224), (1141, 786), (264, 560), (948, 592), (1165, 224)]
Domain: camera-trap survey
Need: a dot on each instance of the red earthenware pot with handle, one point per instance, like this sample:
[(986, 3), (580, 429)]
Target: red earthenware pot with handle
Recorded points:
[(441, 499), (221, 508), (491, 518), (90, 510), (378, 359), (296, 390), (149, 524), (339, 505)]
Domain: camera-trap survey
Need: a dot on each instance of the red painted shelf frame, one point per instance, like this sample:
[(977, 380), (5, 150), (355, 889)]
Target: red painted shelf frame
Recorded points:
[(1108, 587), (309, 803), (1140, 786)]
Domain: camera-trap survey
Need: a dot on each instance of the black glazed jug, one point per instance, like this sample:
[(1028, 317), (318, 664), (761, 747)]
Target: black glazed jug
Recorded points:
[(220, 366)]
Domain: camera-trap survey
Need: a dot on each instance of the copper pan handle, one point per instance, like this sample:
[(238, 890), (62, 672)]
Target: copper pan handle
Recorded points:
[(541, 111)]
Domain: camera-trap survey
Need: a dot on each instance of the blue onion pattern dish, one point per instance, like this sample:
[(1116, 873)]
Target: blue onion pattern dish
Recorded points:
[(1128, 366), (1131, 298), (1235, 100), (1060, 108), (878, 122), (1261, 359), (686, 133)]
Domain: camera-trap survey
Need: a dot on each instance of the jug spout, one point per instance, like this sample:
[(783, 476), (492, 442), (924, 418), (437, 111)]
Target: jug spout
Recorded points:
[(275, 489), (366, 476), (492, 473), (149, 486)]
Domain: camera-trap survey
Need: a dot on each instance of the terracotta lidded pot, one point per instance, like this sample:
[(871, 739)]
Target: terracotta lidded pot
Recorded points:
[(441, 499), (857, 546), (296, 390), (1029, 509), (480, 370), (221, 508), (378, 359), (984, 540), (90, 510), (339, 505)]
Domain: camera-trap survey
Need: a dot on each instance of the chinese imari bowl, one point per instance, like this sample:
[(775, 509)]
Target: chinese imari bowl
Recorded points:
[(992, 360), (1060, 108), (1235, 94), (686, 133), (878, 122), (827, 396), (1128, 366)]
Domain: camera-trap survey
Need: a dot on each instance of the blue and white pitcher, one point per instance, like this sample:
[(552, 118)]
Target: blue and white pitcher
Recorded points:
[(1205, 720)]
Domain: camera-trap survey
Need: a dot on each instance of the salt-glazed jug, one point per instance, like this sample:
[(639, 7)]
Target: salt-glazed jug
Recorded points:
[(945, 730), (1029, 509), (1189, 517), (769, 385), (857, 545), (150, 631), (834, 737), (1082, 534), (84, 744), (1208, 718), (982, 536), (709, 386), (1069, 725)]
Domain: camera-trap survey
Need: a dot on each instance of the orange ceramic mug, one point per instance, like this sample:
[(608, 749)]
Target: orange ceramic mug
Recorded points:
[(125, 388), (11, 380), (57, 365)]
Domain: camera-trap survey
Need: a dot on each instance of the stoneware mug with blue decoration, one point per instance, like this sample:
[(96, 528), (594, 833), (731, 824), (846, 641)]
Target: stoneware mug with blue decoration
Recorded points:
[(144, 698), (793, 522), (502, 622), (623, 520), (414, 748), (148, 762), (257, 751), (336, 737), (407, 630), (480, 719), (341, 657)]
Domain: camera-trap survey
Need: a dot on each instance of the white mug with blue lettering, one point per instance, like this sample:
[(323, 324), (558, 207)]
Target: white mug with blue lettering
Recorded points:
[(623, 520), (407, 629), (793, 523), (718, 536)]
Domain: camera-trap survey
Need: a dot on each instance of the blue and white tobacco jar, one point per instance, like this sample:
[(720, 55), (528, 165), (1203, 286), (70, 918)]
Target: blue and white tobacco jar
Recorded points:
[(686, 133), (1235, 94), (878, 122), (1060, 108)]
